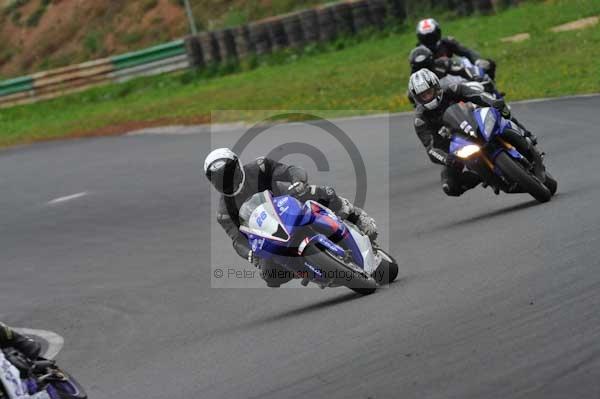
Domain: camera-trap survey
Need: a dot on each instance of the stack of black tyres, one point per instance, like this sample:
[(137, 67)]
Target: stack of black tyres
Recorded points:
[(279, 39), (193, 50), (310, 25), (327, 24), (260, 38), (361, 17), (293, 30), (342, 13), (378, 11), (243, 44), (226, 44), (210, 47)]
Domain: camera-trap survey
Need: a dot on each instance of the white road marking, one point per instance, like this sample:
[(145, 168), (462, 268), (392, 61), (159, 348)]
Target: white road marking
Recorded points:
[(55, 341), (67, 198)]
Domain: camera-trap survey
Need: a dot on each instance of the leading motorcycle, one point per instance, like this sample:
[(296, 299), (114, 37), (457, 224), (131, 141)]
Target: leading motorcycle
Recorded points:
[(310, 241)]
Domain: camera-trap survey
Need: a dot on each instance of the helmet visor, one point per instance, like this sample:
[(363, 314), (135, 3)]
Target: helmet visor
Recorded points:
[(226, 176), (426, 96)]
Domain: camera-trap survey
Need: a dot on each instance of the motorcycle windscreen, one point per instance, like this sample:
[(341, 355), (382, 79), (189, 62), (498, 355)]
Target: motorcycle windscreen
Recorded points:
[(259, 218), (487, 120), (459, 118)]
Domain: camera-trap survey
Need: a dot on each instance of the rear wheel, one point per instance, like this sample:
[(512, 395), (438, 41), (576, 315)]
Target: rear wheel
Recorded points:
[(515, 172)]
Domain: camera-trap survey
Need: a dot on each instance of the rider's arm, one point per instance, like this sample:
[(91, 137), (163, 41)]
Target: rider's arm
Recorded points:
[(282, 172), (462, 92), (461, 50), (240, 243), (427, 135)]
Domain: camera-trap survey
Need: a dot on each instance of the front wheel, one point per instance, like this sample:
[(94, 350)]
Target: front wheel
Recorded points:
[(336, 272), (387, 271), (551, 183), (516, 173)]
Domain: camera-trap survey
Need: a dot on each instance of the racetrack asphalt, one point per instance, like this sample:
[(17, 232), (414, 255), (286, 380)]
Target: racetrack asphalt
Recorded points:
[(498, 296)]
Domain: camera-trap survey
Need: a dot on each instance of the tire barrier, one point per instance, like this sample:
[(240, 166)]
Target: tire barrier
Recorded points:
[(361, 17), (210, 47), (342, 12), (277, 34), (327, 26), (259, 37), (294, 30), (378, 12), (194, 51), (226, 44), (243, 45), (309, 22)]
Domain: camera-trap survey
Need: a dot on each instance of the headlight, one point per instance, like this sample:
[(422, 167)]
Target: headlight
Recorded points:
[(467, 151)]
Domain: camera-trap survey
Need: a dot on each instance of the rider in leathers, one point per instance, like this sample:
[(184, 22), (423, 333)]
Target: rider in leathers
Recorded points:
[(241, 182), (432, 101), (9, 374)]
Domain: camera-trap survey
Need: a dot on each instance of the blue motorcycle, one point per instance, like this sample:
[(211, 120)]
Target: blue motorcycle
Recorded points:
[(476, 137), (41, 378), (309, 240)]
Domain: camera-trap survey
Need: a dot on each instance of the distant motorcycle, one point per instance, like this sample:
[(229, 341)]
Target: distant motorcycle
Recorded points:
[(310, 241), (476, 138), (20, 377)]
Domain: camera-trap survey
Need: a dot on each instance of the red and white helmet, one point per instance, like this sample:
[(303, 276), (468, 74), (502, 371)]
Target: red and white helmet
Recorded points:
[(429, 33)]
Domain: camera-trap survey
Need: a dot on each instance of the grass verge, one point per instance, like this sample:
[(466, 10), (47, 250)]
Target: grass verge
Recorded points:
[(371, 74)]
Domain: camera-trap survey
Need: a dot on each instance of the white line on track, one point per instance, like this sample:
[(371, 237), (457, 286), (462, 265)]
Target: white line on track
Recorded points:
[(55, 341), (67, 198)]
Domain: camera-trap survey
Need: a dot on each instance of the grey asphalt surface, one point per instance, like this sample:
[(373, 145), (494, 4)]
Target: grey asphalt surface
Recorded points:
[(499, 297)]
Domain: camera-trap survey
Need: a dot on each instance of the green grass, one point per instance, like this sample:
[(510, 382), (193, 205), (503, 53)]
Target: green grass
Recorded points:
[(370, 75)]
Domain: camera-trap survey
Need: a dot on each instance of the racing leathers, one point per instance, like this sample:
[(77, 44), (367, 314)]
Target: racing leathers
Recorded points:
[(265, 174), (428, 126), (447, 47), (25, 345)]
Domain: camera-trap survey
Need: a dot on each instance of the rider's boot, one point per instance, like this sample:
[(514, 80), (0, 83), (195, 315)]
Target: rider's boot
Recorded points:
[(359, 218)]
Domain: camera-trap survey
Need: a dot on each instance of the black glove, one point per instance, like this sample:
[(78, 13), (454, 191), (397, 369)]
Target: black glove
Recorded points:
[(452, 161), (501, 106), (298, 189)]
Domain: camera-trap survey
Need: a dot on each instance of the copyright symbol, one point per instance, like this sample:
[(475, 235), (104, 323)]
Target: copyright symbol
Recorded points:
[(218, 273)]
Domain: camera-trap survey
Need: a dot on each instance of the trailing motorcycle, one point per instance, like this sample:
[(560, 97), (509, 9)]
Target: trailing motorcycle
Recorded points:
[(477, 137)]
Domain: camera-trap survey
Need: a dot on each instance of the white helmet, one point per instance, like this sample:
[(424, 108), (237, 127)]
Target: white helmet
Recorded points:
[(424, 87), (225, 171)]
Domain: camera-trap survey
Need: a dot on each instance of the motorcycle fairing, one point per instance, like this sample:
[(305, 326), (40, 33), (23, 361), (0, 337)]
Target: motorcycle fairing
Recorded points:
[(265, 222)]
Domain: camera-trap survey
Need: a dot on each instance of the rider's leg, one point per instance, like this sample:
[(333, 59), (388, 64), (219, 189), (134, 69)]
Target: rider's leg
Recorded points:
[(274, 274), (455, 181), (343, 208)]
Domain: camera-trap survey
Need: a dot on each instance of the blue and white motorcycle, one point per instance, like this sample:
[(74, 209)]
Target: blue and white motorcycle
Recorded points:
[(21, 378), (476, 137), (310, 241)]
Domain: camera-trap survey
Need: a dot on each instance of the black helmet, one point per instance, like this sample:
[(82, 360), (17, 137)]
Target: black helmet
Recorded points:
[(421, 57), (225, 171), (429, 33)]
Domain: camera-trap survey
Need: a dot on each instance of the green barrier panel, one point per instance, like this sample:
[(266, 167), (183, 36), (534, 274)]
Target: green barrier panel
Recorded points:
[(148, 55), (16, 85)]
